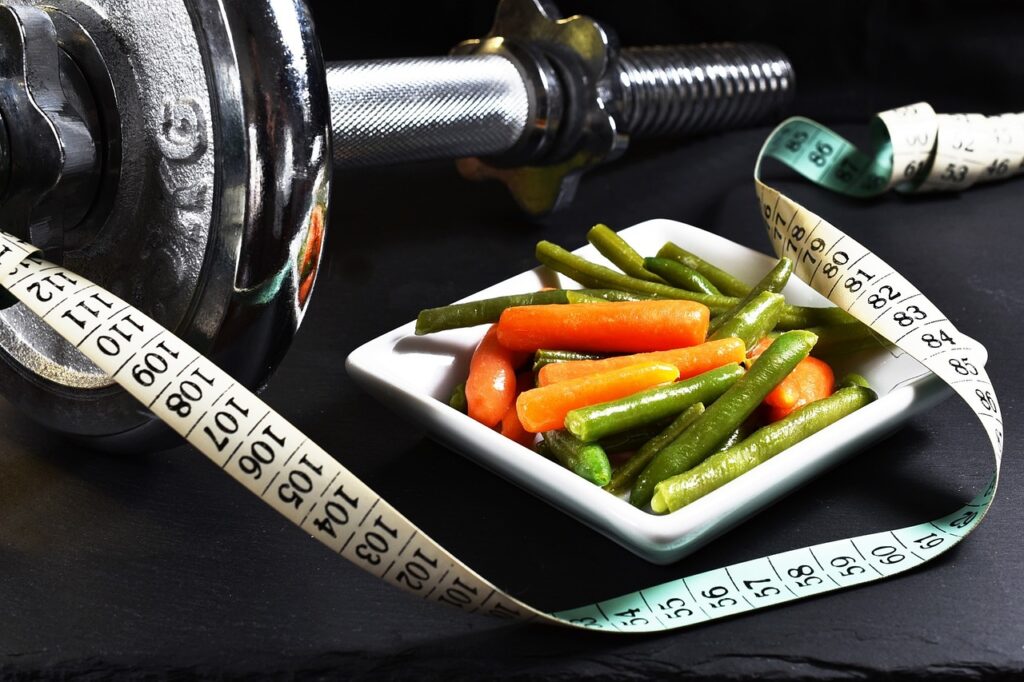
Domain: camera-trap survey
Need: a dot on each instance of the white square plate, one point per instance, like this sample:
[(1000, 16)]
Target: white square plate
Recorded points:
[(415, 375)]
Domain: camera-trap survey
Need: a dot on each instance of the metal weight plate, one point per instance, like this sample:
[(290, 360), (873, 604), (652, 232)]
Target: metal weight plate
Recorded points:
[(212, 200)]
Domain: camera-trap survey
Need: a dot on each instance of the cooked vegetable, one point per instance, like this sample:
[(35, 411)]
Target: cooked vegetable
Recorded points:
[(654, 318), (723, 281), (458, 398), (836, 340), (544, 408), (628, 326), (573, 296), (480, 312), (634, 439), (752, 322), (546, 357), (725, 414), (586, 460), (812, 379), (625, 475), (510, 426), (491, 386), (614, 248), (600, 421), (773, 281), (678, 275), (718, 469), (802, 317), (843, 339), (592, 275), (690, 361), (614, 294), (748, 426)]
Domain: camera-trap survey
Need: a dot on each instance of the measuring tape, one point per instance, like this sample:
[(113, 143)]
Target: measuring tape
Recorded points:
[(274, 460)]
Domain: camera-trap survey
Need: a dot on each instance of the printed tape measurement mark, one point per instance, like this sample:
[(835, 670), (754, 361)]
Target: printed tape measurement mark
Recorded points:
[(276, 462)]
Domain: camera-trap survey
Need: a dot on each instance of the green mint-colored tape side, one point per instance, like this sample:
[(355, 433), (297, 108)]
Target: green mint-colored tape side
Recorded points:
[(829, 160)]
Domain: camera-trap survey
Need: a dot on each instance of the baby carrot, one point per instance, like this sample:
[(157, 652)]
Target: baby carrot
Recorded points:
[(544, 408), (491, 386), (627, 326), (510, 426), (812, 379), (690, 361)]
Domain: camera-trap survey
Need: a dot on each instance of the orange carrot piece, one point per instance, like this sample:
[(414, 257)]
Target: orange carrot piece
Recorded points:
[(510, 426), (544, 408), (491, 386), (760, 347), (812, 379), (627, 326), (690, 361)]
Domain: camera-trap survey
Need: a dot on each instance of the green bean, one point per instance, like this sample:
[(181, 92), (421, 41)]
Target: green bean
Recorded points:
[(738, 434), (623, 477), (774, 281), (765, 443), (595, 422), (802, 317), (546, 357), (574, 296), (725, 414), (478, 312), (723, 281), (754, 321), (614, 248), (631, 440), (587, 460), (597, 276), (840, 340), (853, 379), (678, 275), (457, 399), (614, 294)]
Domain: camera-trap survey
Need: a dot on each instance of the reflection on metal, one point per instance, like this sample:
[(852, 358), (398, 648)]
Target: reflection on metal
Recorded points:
[(209, 181)]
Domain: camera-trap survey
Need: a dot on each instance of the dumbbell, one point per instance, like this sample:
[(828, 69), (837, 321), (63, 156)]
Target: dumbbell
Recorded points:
[(180, 154)]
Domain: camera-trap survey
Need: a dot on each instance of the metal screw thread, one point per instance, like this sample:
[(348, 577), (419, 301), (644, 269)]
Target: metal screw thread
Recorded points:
[(676, 90)]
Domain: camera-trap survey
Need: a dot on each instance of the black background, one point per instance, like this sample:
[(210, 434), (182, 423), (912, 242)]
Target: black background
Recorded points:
[(158, 564)]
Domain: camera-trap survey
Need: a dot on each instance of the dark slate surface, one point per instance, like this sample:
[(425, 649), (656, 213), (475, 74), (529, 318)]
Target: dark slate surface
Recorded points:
[(157, 564)]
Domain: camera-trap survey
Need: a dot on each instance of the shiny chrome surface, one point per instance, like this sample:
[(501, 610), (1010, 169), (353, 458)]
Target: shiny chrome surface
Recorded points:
[(686, 89), (54, 157), (574, 53), (385, 111), (216, 218), (274, 173)]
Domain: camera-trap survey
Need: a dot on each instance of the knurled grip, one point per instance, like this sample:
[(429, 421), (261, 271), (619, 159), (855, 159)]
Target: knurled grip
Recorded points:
[(397, 110)]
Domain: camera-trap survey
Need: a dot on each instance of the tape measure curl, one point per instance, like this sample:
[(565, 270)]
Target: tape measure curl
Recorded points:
[(275, 461)]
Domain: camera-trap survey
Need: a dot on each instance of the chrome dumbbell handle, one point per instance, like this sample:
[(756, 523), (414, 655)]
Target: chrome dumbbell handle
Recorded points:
[(390, 111), (536, 103), (398, 110)]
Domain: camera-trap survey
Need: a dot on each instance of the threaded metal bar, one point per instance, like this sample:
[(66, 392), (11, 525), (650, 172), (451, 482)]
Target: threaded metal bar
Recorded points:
[(677, 90)]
